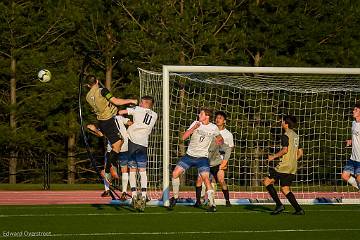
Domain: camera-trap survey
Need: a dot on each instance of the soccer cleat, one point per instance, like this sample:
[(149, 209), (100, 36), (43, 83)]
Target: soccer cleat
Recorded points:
[(138, 198), (228, 204), (123, 196), (142, 204), (106, 193), (212, 209), (197, 204), (278, 210), (113, 171), (172, 202), (205, 202), (134, 202), (300, 212), (148, 199)]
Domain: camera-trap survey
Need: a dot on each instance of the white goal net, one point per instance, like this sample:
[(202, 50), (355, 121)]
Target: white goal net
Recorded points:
[(254, 100)]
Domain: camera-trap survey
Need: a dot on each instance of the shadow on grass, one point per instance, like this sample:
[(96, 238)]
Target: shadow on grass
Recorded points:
[(117, 207), (258, 208), (201, 207)]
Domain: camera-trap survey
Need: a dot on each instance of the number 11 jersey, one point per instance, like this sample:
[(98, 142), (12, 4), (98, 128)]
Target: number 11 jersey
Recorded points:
[(144, 120)]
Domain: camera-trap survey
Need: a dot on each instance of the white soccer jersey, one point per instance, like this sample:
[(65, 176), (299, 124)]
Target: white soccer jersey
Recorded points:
[(201, 139), (228, 140), (355, 139), (144, 120), (121, 122)]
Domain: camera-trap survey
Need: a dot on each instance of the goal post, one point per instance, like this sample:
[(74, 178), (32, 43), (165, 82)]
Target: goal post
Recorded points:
[(302, 90)]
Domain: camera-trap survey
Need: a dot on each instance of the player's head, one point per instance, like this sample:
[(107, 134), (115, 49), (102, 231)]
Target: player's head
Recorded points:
[(205, 114), (288, 121), (220, 118), (356, 110), (91, 80), (147, 102)]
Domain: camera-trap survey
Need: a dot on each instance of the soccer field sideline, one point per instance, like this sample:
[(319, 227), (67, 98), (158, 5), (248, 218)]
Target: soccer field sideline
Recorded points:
[(92, 222), (146, 213)]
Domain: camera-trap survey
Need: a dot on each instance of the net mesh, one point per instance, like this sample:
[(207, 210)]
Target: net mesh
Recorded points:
[(254, 104)]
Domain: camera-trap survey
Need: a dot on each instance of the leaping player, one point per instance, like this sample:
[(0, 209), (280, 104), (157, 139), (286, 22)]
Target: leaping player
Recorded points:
[(144, 120)]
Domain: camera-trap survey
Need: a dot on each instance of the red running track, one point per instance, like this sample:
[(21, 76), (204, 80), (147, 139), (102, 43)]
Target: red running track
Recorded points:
[(51, 197), (93, 197)]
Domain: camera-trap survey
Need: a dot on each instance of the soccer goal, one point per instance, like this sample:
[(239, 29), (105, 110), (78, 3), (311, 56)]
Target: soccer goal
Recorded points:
[(255, 98)]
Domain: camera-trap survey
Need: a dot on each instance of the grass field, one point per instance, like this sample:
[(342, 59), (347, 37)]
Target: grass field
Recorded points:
[(185, 222)]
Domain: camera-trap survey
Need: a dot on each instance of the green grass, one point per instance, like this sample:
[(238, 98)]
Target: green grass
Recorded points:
[(185, 222)]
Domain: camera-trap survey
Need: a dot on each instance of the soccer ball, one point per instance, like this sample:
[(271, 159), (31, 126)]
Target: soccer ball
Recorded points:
[(44, 75)]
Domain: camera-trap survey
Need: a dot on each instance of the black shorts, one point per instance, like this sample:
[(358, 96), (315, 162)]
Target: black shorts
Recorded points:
[(111, 130), (285, 179), (213, 171)]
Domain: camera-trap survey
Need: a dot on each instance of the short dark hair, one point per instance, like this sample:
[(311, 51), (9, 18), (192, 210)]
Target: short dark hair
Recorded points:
[(149, 98), (357, 105), (221, 113), (290, 121), (208, 112), (91, 80)]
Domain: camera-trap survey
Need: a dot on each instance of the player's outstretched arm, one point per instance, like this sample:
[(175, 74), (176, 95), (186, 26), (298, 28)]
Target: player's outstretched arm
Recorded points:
[(116, 101), (190, 131), (120, 101), (280, 153)]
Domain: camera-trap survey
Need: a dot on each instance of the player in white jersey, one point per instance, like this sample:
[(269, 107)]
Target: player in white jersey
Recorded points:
[(202, 133), (143, 122), (123, 155), (218, 157), (352, 167)]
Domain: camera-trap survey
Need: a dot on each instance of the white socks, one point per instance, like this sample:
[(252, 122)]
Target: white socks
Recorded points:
[(124, 181), (203, 190), (176, 187), (132, 181), (106, 185), (352, 181), (143, 182), (211, 197)]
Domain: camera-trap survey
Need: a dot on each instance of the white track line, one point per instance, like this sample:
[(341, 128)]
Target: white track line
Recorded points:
[(155, 213), (206, 232)]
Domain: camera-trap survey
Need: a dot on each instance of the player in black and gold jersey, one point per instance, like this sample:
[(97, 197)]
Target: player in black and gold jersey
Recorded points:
[(104, 105), (285, 171)]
